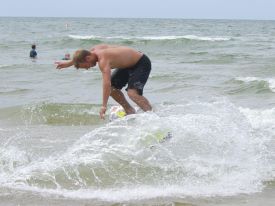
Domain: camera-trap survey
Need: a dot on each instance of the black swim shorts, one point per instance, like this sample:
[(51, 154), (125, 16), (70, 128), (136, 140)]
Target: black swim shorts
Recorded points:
[(135, 76)]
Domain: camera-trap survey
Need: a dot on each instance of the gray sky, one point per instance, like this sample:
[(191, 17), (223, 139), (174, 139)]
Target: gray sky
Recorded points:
[(188, 9)]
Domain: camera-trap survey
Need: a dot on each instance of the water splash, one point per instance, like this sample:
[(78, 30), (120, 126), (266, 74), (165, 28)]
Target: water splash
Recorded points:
[(215, 150)]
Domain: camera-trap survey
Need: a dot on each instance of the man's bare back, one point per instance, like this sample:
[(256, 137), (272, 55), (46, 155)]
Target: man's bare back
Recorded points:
[(117, 57)]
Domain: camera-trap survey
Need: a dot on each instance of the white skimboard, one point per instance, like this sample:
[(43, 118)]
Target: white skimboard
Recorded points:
[(117, 112)]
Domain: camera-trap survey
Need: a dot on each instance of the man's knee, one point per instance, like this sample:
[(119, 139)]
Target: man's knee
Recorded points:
[(133, 94), (114, 90)]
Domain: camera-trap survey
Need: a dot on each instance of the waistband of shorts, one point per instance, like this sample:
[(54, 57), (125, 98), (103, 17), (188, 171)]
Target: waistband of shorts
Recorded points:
[(143, 58)]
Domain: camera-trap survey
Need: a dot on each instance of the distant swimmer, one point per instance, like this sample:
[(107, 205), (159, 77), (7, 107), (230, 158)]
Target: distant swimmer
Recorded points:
[(131, 67), (67, 57), (33, 53)]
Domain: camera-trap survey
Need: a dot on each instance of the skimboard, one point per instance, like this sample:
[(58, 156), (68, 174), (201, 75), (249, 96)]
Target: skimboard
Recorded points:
[(117, 112)]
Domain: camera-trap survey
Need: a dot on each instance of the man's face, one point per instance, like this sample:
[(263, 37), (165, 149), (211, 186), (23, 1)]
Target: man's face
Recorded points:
[(90, 62), (85, 65)]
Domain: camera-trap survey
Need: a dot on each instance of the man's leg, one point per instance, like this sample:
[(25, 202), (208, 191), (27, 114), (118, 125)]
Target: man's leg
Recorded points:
[(141, 101), (119, 79), (120, 98)]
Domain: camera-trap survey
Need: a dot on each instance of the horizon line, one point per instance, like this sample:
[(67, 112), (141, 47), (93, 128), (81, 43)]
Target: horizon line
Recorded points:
[(183, 18)]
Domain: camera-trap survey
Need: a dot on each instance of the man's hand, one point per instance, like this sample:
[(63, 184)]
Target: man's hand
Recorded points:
[(102, 112), (61, 65)]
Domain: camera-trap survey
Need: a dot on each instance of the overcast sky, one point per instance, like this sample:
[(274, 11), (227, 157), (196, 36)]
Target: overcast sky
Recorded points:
[(187, 9)]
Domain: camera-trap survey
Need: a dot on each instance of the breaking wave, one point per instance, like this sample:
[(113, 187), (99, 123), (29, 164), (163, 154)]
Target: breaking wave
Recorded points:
[(153, 38)]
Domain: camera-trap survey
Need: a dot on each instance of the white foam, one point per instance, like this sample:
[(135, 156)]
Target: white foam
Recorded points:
[(214, 151), (271, 84), (190, 37), (260, 119), (193, 37), (87, 37), (11, 159), (247, 79), (270, 81)]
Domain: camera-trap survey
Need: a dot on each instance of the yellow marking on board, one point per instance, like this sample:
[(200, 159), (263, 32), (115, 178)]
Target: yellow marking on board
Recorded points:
[(121, 114)]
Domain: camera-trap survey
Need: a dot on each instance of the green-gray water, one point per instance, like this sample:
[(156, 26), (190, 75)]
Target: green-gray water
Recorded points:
[(212, 86)]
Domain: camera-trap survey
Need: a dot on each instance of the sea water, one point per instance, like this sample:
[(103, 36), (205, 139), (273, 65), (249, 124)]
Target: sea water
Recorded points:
[(212, 86)]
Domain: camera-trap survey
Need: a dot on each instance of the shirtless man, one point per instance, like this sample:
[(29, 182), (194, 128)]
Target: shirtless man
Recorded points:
[(131, 66)]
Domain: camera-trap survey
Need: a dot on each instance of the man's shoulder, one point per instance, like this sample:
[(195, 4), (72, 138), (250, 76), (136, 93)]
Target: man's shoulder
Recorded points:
[(103, 52)]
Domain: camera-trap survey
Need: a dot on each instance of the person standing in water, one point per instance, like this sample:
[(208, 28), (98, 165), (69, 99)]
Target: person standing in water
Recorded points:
[(33, 53), (131, 67), (67, 57)]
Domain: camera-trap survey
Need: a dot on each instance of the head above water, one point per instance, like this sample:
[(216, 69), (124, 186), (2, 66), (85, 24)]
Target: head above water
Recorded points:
[(84, 59), (33, 46)]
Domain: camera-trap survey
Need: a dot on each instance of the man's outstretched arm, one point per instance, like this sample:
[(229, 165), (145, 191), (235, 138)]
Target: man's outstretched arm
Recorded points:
[(61, 65)]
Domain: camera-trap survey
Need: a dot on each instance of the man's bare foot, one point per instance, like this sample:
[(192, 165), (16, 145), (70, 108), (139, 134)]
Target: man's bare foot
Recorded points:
[(130, 111)]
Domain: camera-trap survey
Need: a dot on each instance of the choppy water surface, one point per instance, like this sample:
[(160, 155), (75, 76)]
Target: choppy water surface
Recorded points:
[(212, 86)]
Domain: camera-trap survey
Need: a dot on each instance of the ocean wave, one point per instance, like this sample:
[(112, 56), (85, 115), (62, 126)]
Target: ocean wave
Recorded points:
[(269, 81), (156, 38), (53, 114), (214, 151), (13, 91), (4, 65)]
